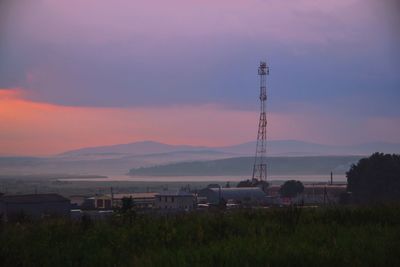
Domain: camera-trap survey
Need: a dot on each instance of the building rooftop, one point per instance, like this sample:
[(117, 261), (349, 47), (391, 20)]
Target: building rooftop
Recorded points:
[(33, 198), (136, 195), (177, 193), (239, 192), (237, 189)]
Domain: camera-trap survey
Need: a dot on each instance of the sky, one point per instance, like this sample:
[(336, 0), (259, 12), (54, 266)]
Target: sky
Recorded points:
[(78, 73)]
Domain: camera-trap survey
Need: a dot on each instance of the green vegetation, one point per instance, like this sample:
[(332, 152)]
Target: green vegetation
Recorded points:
[(291, 188), (363, 236), (375, 179)]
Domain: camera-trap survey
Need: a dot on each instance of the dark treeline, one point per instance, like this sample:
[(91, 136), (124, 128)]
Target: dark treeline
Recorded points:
[(347, 236)]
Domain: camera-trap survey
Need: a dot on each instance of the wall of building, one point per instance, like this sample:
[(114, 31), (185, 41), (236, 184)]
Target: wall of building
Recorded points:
[(2, 211), (36, 210), (175, 202), (236, 195)]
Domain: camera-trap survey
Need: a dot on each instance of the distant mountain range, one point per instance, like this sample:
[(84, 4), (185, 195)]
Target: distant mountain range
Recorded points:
[(275, 148), (119, 159), (137, 148)]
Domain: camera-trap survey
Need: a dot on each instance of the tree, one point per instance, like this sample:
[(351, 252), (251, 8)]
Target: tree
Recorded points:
[(127, 209), (375, 179), (127, 204), (291, 188)]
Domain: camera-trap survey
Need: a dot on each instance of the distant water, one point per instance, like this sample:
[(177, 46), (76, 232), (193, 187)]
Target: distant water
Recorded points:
[(125, 178)]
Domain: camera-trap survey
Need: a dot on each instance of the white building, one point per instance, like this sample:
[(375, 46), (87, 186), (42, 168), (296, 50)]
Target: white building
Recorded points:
[(175, 201), (239, 195)]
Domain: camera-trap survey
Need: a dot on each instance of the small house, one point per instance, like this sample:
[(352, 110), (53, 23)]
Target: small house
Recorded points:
[(175, 201), (35, 206)]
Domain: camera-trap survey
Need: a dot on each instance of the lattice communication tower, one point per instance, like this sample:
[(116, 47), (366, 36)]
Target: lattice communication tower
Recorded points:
[(260, 160)]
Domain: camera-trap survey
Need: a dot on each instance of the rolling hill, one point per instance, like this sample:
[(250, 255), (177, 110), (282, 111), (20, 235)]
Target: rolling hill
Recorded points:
[(243, 166), (119, 159)]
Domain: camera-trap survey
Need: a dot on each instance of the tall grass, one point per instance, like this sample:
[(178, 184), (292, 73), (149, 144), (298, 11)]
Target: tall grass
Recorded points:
[(363, 236)]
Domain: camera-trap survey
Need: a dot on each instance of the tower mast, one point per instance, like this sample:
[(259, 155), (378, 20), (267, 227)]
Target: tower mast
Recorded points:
[(260, 165)]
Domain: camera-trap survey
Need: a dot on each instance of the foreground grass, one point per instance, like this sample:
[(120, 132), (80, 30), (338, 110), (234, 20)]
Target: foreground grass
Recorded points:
[(284, 237)]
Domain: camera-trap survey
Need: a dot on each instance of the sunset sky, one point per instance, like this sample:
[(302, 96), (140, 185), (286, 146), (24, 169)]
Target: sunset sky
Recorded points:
[(77, 73)]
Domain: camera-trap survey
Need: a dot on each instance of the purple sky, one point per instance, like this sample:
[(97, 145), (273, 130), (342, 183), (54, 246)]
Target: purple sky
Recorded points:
[(334, 64)]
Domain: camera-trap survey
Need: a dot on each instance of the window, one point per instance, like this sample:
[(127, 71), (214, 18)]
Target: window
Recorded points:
[(100, 203), (172, 199)]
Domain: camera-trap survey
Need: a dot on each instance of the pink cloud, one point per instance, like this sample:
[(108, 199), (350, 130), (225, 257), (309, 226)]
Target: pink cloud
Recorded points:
[(34, 128)]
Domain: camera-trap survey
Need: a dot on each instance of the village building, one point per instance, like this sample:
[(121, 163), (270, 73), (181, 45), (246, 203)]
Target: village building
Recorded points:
[(321, 194), (140, 201), (313, 194), (77, 201), (97, 202), (238, 195), (175, 201), (35, 206)]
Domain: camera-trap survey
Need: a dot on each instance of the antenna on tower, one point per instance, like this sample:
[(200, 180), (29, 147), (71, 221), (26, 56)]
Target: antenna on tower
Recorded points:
[(260, 164)]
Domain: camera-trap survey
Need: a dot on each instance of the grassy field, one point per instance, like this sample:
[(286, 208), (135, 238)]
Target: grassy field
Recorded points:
[(363, 236)]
